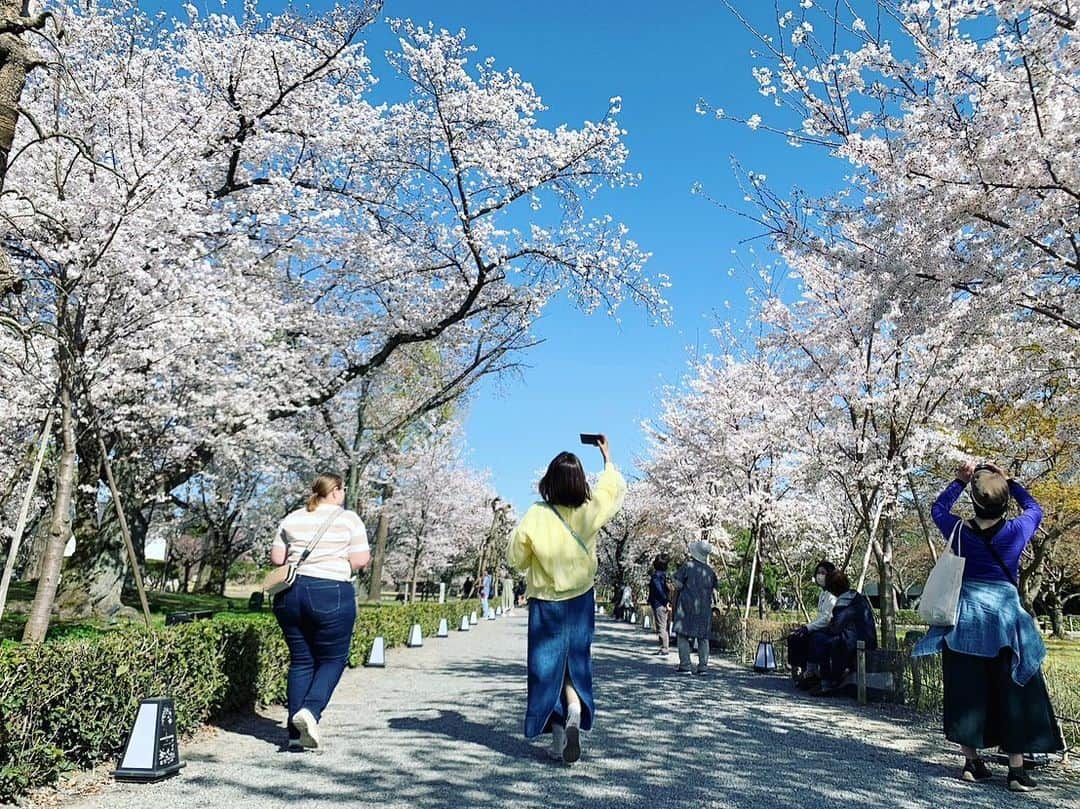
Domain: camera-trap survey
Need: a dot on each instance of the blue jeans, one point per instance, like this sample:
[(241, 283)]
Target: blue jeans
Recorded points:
[(317, 617)]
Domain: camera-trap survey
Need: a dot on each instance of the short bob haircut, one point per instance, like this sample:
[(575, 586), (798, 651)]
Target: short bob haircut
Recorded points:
[(837, 583), (660, 563), (825, 565), (564, 483)]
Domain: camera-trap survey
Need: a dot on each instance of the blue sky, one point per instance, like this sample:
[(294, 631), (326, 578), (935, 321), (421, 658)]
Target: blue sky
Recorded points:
[(592, 374)]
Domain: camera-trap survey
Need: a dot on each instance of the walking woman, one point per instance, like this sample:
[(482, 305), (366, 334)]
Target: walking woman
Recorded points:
[(317, 613), (695, 590), (994, 689), (555, 547)]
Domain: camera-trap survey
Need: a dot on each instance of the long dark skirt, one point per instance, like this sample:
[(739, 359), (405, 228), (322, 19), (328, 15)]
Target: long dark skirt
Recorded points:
[(984, 707), (560, 641)]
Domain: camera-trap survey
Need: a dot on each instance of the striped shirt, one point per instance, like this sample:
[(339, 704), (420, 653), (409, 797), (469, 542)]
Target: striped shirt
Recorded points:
[(330, 559)]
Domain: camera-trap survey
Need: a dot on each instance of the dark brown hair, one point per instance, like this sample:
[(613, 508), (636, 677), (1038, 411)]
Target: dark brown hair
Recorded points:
[(825, 565), (564, 483), (837, 583), (322, 487)]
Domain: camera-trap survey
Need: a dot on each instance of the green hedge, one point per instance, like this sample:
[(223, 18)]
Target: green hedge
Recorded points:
[(70, 703)]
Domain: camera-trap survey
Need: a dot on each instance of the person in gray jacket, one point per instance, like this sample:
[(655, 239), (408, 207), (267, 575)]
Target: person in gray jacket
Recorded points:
[(799, 640), (694, 585)]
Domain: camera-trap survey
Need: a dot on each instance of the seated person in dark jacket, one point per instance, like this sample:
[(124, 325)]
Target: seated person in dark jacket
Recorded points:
[(833, 649)]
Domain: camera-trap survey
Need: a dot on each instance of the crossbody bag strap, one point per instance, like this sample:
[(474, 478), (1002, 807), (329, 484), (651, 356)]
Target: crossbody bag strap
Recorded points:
[(319, 536), (997, 558), (566, 525)]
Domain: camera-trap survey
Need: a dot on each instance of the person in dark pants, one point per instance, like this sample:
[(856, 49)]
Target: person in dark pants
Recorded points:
[(660, 602), (318, 612), (991, 661), (834, 648), (798, 642), (695, 588)]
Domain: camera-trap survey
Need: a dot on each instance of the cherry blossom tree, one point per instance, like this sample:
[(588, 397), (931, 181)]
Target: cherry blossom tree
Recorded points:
[(958, 123), (240, 235), (954, 121), (439, 510)]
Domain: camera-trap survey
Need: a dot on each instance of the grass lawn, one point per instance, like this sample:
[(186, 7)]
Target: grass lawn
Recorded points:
[(21, 595)]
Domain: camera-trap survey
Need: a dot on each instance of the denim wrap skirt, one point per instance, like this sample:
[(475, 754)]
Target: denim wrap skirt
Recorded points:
[(560, 642)]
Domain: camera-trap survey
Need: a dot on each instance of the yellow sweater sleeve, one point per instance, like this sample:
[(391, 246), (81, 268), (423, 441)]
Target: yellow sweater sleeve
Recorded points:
[(606, 500), (519, 550)]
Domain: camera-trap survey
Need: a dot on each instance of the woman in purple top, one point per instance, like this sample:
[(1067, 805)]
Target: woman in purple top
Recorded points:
[(994, 690)]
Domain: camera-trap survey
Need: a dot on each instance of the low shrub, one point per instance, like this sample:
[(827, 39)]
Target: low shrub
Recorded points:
[(69, 703)]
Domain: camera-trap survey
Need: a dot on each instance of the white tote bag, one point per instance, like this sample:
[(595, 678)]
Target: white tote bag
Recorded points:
[(941, 595)]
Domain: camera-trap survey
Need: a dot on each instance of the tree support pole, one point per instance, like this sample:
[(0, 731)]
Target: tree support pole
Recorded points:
[(124, 528), (20, 525)]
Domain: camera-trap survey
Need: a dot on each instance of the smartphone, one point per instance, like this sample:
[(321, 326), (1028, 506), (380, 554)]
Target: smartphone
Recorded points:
[(590, 438)]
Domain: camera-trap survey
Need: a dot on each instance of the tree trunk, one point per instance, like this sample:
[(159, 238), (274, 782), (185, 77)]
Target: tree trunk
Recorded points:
[(378, 554), (94, 576), (924, 518), (886, 596), (96, 573), (37, 624), (16, 60), (1057, 614)]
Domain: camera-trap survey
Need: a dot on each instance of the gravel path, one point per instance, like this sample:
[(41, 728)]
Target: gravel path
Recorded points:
[(441, 726)]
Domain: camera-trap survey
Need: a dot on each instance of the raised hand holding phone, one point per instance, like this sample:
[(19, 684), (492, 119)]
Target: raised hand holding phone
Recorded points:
[(598, 440)]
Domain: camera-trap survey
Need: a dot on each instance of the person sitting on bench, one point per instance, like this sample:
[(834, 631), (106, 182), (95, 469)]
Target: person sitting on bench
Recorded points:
[(799, 641), (852, 620)]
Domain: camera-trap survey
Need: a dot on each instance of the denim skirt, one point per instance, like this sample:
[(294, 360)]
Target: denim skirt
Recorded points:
[(560, 644)]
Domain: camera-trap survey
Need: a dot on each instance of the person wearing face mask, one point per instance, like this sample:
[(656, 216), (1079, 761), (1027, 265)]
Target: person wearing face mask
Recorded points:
[(991, 659), (798, 642)]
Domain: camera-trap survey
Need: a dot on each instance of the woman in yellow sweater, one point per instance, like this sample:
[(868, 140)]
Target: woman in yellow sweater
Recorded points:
[(555, 547)]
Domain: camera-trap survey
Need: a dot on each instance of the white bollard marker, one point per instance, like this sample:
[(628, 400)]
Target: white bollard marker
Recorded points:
[(444, 629), (602, 611), (490, 614), (416, 637), (473, 619), (633, 617), (646, 622), (442, 592), (498, 611), (377, 656), (465, 626)]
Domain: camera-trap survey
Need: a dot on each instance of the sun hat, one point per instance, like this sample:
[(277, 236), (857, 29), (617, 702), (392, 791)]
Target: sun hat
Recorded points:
[(700, 550)]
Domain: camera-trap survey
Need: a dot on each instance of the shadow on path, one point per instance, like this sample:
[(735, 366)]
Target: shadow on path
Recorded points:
[(731, 739), (453, 725)]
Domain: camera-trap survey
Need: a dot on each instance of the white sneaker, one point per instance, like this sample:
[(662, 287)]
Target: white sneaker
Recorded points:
[(304, 721), (558, 741)]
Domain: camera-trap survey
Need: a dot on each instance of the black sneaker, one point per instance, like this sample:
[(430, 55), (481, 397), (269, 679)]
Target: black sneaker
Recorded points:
[(572, 751), (1020, 781), (975, 769), (681, 670)]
